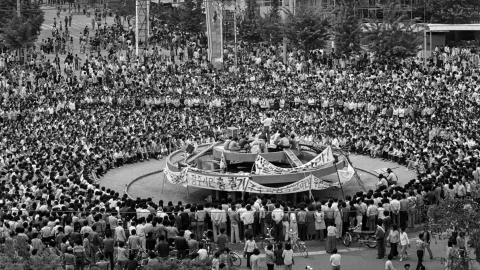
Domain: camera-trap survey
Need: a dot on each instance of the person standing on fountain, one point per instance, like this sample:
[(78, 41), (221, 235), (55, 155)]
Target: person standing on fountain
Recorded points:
[(267, 126)]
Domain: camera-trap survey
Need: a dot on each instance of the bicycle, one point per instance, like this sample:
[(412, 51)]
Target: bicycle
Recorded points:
[(235, 259), (297, 244), (363, 237), (142, 258), (269, 239)]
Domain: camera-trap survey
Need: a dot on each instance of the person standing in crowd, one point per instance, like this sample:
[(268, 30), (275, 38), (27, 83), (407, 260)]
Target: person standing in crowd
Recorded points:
[(331, 242), (250, 245), (287, 255), (234, 221), (269, 257), (255, 260), (279, 261), (319, 223), (388, 263), (277, 217), (267, 126), (427, 238), (404, 242), (380, 235), (394, 238), (335, 259), (420, 246)]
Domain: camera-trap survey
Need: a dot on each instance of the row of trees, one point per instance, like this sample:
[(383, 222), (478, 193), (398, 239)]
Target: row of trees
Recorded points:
[(310, 28), (307, 27)]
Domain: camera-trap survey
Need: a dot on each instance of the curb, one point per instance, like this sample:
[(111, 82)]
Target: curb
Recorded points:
[(125, 190), (366, 171)]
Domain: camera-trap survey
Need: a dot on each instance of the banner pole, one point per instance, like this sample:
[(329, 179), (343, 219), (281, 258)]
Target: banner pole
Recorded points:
[(245, 185), (163, 185), (310, 187), (339, 181), (176, 193)]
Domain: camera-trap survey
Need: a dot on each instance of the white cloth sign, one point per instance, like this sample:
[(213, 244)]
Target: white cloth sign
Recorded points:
[(176, 178), (310, 182), (263, 166), (221, 182)]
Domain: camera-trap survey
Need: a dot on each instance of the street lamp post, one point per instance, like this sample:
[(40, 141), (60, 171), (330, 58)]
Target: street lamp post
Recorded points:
[(235, 33)]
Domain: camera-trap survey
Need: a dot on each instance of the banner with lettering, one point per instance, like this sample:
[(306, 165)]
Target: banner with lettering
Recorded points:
[(221, 182), (310, 182), (263, 166), (324, 157), (299, 186), (176, 178)]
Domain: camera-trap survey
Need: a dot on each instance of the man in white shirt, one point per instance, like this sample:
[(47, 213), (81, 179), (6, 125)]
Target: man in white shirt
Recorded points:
[(267, 125), (277, 217), (392, 177), (247, 216), (202, 253)]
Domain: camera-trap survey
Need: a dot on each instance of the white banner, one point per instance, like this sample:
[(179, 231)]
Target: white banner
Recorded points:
[(221, 182), (263, 166), (176, 178), (325, 157), (308, 183)]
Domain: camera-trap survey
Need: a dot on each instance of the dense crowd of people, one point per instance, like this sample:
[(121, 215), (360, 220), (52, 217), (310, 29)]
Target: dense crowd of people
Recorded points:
[(61, 132)]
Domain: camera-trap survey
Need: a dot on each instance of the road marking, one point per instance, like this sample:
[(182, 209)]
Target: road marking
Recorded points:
[(323, 252)]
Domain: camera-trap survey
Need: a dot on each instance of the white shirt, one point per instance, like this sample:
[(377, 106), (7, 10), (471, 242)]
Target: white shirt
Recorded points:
[(335, 259), (202, 254), (404, 239), (389, 265), (267, 122)]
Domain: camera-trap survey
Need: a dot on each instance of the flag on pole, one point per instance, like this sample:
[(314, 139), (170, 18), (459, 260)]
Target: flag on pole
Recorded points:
[(346, 175), (223, 162)]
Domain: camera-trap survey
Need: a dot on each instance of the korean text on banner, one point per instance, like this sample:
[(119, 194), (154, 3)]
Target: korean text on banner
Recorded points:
[(299, 186), (221, 182)]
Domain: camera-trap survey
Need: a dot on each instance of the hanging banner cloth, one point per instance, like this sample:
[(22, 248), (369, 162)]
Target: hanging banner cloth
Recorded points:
[(263, 166)]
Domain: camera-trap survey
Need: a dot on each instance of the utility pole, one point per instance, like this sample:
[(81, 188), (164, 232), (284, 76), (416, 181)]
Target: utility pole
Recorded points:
[(18, 14)]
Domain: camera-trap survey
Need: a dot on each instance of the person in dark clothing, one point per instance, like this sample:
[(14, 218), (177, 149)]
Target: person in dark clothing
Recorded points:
[(132, 263), (108, 243), (380, 236), (279, 255), (150, 242), (181, 245), (162, 247)]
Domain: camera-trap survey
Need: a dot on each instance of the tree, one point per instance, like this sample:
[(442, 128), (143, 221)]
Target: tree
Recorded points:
[(191, 17), (30, 13), (14, 255), (18, 33), (395, 37), (452, 11), (271, 23), (346, 29), (306, 27), (248, 23), (460, 215)]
